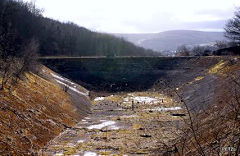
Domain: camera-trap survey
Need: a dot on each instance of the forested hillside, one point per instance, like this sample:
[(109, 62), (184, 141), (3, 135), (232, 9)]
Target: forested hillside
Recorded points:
[(23, 22)]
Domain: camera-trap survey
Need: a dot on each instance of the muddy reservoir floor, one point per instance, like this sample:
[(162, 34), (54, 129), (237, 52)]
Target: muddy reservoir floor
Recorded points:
[(137, 123)]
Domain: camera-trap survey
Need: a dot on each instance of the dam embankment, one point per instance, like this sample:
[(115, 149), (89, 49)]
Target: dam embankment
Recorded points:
[(128, 73), (191, 76)]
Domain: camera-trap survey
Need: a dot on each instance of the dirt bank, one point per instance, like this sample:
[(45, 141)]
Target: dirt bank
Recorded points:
[(35, 110)]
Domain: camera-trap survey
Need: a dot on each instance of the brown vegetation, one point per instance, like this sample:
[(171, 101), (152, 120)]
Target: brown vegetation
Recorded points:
[(213, 130), (32, 113)]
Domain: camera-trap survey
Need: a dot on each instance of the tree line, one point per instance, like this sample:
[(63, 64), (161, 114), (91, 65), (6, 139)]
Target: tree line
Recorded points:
[(25, 35), (63, 39), (18, 47)]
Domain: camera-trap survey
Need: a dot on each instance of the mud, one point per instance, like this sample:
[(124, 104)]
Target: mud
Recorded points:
[(115, 127)]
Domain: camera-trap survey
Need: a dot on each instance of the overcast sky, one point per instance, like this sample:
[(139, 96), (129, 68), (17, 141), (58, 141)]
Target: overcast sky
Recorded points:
[(141, 16)]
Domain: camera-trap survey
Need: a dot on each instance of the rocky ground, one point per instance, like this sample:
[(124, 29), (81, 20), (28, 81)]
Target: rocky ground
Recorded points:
[(121, 124)]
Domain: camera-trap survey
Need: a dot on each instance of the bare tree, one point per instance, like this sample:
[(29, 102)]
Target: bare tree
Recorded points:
[(183, 51), (232, 28), (188, 132), (17, 54), (221, 44), (198, 51)]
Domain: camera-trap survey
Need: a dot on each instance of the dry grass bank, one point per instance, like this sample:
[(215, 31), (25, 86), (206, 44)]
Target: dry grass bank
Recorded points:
[(33, 112)]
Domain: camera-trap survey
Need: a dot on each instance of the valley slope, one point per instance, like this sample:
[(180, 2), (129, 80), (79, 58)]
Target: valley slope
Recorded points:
[(170, 40), (36, 110)]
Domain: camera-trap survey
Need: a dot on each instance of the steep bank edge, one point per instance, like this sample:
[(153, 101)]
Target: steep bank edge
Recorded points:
[(37, 109)]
